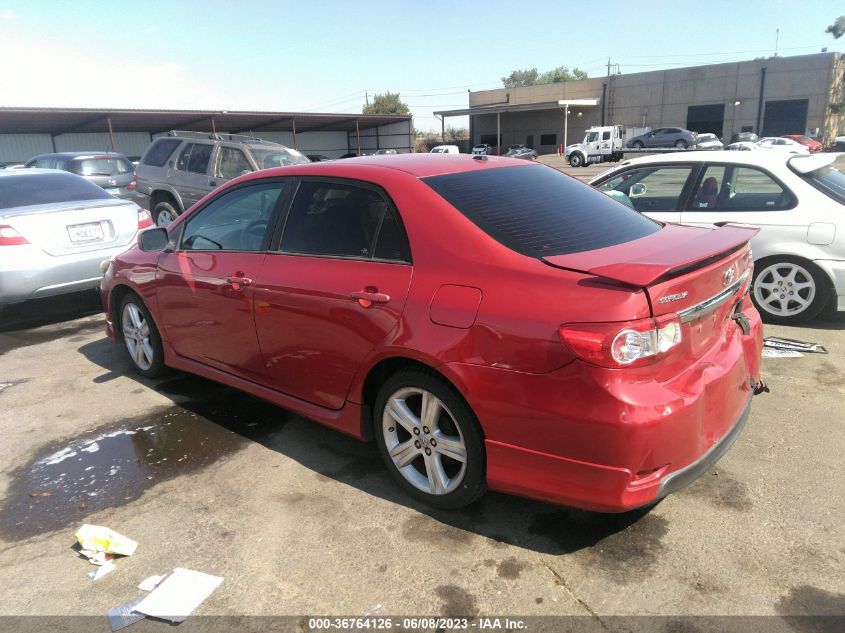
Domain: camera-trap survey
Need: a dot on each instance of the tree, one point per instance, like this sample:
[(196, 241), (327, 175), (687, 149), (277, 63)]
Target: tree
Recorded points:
[(560, 74), (837, 29), (521, 78), (388, 103), (456, 134)]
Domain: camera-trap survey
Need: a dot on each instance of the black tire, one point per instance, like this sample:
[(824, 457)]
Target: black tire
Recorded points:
[(456, 418), (681, 144), (763, 273), (156, 366), (166, 207), (575, 160), (637, 144)]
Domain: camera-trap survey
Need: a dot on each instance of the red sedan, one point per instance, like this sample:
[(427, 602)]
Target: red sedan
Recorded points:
[(810, 144), (492, 323)]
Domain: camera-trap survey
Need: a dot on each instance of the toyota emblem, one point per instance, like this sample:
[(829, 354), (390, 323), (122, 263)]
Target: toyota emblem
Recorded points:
[(728, 277)]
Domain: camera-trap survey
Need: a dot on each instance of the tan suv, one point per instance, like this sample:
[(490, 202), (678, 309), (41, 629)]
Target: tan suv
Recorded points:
[(182, 167)]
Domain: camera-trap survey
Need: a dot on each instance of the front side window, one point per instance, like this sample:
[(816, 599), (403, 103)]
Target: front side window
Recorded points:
[(739, 188), (232, 163), (339, 220), (592, 137), (238, 220), (651, 188), (46, 163)]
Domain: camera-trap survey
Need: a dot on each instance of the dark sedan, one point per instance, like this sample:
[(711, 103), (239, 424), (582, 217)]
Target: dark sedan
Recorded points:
[(521, 152)]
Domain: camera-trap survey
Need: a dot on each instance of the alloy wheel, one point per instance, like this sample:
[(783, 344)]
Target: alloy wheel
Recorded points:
[(164, 218), (136, 335), (784, 289), (424, 441)]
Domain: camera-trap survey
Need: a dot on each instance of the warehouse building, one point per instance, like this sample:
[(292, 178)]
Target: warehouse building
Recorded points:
[(27, 132), (780, 95)]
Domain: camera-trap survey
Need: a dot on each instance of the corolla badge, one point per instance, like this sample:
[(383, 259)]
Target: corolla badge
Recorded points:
[(675, 297), (728, 277)]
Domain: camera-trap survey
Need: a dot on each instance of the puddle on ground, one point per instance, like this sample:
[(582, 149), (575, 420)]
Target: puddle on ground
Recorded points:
[(112, 466)]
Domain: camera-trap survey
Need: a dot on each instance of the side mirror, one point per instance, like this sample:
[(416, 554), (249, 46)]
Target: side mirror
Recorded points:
[(637, 189), (152, 240)]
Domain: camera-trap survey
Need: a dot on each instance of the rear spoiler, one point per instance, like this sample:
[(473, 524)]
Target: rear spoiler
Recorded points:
[(671, 251)]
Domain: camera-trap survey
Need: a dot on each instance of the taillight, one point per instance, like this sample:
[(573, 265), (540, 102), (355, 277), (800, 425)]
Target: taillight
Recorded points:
[(625, 344), (144, 219), (10, 237), (132, 183)]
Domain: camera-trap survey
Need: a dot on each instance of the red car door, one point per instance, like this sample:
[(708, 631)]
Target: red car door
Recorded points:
[(335, 290), (206, 285)]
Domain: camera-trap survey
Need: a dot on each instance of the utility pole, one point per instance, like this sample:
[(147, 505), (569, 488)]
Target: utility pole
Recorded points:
[(367, 98), (777, 37), (608, 67)]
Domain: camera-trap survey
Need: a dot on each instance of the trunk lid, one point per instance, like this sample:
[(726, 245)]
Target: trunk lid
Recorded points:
[(697, 273), (75, 227)]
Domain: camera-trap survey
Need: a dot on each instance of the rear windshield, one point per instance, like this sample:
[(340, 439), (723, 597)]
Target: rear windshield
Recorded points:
[(106, 166), (31, 189), (158, 153), (830, 179), (539, 212)]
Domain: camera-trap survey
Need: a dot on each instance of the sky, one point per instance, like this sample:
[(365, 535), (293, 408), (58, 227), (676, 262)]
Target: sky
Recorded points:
[(327, 55)]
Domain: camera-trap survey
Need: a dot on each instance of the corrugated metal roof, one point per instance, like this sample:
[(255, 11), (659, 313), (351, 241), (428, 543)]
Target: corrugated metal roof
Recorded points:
[(64, 120)]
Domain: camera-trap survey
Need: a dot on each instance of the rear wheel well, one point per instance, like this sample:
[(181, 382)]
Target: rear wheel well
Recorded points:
[(379, 374), (164, 196)]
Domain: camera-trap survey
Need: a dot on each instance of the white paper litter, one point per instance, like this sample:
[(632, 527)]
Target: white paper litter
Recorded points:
[(178, 595), (102, 570), (771, 352), (148, 584)]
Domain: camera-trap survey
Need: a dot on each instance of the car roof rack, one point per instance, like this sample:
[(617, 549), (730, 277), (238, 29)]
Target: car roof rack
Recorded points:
[(217, 136)]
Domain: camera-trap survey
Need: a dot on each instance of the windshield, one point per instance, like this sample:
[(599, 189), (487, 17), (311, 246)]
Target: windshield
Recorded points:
[(830, 179), (277, 157), (32, 189), (101, 166)]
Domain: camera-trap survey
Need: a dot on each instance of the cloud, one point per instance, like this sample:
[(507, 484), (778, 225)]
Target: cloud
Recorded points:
[(7, 15)]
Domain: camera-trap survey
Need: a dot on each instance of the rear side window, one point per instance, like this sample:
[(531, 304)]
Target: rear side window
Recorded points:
[(34, 189), (194, 158), (110, 166), (159, 152), (538, 211), (735, 188), (339, 220)]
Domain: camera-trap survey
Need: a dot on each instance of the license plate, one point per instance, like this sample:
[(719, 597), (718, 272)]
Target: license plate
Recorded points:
[(113, 190), (85, 232)]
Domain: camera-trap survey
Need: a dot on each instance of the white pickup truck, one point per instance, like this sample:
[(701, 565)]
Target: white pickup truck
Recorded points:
[(601, 144)]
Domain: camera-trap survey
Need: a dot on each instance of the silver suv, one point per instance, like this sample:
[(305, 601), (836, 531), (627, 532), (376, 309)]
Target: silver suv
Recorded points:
[(180, 168)]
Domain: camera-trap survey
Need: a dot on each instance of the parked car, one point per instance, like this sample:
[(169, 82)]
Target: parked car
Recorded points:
[(839, 143), (109, 170), (664, 137), (55, 230), (182, 167), (316, 158), (708, 141), (386, 298), (445, 149), (743, 146), (812, 145), (483, 149), (744, 137), (782, 145), (797, 201), (382, 152), (521, 152)]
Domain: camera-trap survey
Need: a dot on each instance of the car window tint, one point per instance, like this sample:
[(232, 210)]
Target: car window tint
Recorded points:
[(46, 163), (199, 157), (231, 163), (739, 188), (58, 187), (334, 220), (159, 152), (110, 166), (651, 188), (392, 243), (538, 211), (235, 221)]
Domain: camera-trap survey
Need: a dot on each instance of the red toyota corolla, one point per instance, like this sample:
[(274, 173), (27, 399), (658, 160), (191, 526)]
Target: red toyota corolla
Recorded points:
[(492, 323)]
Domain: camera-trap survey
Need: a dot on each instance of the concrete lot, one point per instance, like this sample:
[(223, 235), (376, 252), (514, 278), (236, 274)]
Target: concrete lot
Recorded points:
[(301, 520)]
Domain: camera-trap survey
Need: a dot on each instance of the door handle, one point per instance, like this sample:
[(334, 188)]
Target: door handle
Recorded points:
[(237, 281), (366, 298)]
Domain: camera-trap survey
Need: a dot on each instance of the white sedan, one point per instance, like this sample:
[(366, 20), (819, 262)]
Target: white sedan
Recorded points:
[(772, 143), (797, 200)]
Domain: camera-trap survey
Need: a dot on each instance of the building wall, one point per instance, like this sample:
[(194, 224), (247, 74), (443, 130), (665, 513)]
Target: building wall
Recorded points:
[(661, 98), (19, 148)]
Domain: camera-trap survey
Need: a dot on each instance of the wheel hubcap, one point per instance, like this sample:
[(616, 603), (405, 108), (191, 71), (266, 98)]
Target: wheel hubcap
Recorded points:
[(784, 289), (136, 335), (424, 441), (164, 218)]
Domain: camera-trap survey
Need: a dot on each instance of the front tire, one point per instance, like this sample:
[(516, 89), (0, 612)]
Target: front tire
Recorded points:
[(429, 439), (575, 160), (141, 337), (788, 290)]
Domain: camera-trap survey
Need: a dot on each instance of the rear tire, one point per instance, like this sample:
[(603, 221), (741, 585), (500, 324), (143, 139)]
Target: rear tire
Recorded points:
[(681, 144), (429, 439), (788, 290), (141, 337), (637, 144), (164, 213)]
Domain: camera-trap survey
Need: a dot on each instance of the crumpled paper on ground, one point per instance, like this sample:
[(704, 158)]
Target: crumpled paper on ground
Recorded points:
[(96, 538)]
